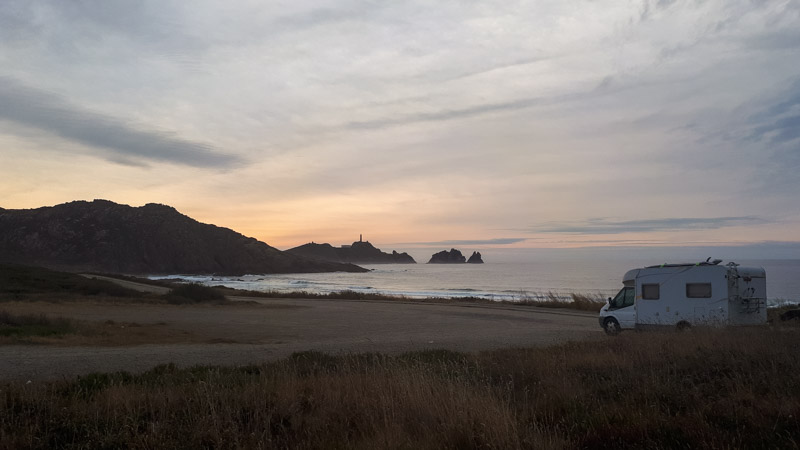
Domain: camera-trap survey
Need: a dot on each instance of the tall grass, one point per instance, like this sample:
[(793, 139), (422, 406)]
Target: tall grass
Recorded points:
[(28, 325), (583, 302), (701, 389)]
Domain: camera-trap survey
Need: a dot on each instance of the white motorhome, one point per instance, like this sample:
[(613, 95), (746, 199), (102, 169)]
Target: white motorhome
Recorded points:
[(682, 295)]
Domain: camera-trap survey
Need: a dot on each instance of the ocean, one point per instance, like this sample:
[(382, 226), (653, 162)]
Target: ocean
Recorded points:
[(504, 276)]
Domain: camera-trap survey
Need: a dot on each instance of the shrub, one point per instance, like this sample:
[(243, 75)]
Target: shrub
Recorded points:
[(194, 293), (33, 325)]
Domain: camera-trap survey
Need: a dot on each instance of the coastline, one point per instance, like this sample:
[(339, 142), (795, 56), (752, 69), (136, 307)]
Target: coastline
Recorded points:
[(543, 280)]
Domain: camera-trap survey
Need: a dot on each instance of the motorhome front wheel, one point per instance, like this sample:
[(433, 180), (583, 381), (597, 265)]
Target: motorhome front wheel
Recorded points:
[(611, 326)]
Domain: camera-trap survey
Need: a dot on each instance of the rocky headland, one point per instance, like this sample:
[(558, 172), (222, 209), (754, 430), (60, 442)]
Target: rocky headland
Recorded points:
[(360, 252), (104, 236)]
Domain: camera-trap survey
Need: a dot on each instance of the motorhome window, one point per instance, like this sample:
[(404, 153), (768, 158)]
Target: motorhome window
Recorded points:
[(698, 290), (651, 291), (624, 298), (618, 299), (629, 296)]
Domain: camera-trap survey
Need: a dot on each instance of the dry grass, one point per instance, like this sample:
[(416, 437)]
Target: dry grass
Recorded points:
[(701, 389), (22, 326), (193, 293), (26, 283), (582, 302), (41, 329)]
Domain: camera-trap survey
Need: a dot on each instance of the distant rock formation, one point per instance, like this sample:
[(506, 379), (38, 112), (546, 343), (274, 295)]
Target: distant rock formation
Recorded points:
[(444, 257), (104, 236), (475, 258), (360, 252)]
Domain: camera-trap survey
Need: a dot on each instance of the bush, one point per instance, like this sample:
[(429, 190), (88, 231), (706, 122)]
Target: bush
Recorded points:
[(33, 325), (194, 293)]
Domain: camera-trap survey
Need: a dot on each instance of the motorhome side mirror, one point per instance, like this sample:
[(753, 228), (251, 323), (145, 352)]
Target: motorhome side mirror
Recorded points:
[(609, 299)]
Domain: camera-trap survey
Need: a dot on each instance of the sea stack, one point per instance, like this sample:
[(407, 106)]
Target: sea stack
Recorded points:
[(475, 258), (444, 257)]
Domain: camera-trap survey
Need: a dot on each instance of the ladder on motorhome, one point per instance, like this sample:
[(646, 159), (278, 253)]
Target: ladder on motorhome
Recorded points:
[(748, 303)]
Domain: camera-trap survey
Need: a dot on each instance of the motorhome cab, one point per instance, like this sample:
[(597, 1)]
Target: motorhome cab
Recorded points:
[(682, 295)]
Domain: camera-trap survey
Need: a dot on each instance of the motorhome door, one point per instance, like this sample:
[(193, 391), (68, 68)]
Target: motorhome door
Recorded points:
[(624, 308)]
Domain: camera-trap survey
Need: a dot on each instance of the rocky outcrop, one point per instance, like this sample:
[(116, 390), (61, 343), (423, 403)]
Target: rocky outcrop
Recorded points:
[(475, 258), (104, 236), (455, 257), (360, 252), (444, 257)]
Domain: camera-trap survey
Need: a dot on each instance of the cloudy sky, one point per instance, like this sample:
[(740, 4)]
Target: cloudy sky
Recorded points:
[(502, 124)]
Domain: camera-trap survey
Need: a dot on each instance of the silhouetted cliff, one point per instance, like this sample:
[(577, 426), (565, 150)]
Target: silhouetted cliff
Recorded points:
[(358, 253), (153, 239)]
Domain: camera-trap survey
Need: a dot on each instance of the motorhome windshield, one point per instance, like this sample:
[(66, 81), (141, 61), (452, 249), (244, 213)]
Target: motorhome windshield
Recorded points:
[(623, 299)]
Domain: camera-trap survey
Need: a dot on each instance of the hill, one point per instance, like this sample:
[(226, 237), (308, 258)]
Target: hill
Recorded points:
[(104, 236), (360, 252)]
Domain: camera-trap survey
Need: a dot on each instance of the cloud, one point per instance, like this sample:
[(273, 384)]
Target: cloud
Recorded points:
[(449, 114), (779, 123), (112, 138), (497, 241), (605, 226), (657, 4), (459, 113)]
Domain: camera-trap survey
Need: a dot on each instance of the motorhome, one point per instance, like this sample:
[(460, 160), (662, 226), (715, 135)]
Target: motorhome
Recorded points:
[(683, 295)]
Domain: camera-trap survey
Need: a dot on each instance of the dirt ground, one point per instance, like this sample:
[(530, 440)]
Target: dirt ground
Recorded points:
[(136, 337)]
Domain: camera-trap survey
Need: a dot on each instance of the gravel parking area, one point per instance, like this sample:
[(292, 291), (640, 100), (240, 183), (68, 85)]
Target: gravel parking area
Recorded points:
[(259, 330)]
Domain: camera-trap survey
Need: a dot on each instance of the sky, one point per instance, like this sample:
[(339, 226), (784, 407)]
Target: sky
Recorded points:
[(492, 124)]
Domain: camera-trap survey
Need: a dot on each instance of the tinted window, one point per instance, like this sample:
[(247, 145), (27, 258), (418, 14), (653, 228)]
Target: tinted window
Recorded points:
[(624, 298), (698, 290), (651, 291), (630, 296)]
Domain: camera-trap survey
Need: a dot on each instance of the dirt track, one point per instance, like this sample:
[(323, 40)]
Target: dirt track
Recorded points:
[(251, 333)]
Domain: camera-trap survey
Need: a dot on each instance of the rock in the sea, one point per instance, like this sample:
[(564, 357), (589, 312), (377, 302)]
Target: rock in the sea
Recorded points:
[(475, 258), (444, 257)]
